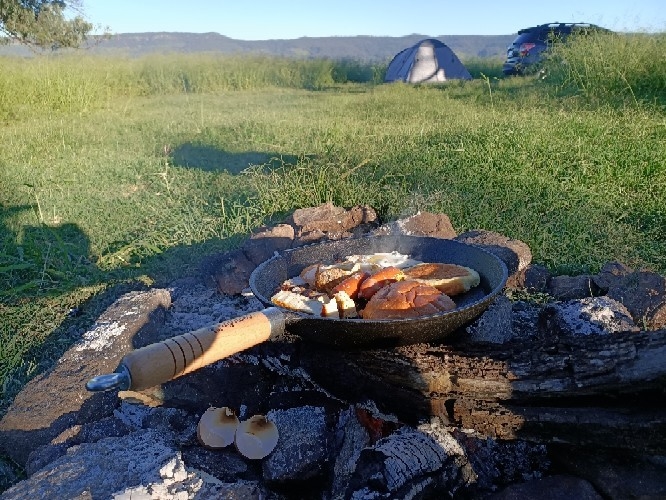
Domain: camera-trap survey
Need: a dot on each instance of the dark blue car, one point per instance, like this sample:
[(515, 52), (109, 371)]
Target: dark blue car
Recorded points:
[(526, 51)]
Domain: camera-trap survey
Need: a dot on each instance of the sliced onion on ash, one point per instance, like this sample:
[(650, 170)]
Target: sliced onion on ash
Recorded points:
[(256, 437), (217, 427)]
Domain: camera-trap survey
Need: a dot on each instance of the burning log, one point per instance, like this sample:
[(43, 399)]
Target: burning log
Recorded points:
[(602, 390)]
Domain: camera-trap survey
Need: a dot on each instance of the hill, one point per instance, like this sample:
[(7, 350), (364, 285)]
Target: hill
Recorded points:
[(362, 48)]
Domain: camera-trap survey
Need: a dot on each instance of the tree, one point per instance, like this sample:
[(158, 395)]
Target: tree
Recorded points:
[(43, 23)]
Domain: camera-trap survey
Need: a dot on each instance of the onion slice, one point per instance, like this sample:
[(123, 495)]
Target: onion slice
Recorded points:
[(217, 427), (256, 437)]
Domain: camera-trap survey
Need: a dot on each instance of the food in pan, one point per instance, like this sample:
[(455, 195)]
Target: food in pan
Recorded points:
[(407, 299), (346, 305), (379, 260), (448, 278), (351, 284), (298, 302), (376, 286)]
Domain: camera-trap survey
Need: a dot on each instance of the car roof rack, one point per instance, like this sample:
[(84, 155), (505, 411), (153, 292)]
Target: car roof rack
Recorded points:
[(557, 25)]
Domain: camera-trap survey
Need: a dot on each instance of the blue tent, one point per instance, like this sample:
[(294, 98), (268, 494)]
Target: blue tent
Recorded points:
[(428, 61)]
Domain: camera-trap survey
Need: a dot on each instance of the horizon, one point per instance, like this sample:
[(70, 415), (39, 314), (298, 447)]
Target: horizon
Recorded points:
[(274, 20)]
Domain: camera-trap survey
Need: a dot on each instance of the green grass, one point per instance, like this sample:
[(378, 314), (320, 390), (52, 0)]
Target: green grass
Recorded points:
[(120, 174), (609, 68)]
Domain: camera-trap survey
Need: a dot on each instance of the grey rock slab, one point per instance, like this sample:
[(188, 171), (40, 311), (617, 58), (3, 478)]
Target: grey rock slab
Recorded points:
[(144, 461), (58, 399)]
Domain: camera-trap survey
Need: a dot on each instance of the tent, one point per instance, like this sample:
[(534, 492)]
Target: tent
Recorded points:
[(428, 61)]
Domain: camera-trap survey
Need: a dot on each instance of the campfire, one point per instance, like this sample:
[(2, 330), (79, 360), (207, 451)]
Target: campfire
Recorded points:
[(556, 385)]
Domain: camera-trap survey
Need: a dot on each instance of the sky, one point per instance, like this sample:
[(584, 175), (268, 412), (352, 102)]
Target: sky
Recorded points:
[(289, 19)]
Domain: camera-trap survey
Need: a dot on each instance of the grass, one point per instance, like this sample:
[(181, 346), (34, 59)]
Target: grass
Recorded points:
[(121, 174)]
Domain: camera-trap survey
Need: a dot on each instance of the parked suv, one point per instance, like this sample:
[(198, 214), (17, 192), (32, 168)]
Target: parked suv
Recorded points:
[(527, 49)]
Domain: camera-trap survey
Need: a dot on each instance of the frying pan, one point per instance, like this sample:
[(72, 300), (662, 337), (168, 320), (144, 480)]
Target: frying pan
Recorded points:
[(157, 363)]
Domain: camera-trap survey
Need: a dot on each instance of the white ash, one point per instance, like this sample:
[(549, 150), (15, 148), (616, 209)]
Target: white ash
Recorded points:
[(196, 306), (99, 337)]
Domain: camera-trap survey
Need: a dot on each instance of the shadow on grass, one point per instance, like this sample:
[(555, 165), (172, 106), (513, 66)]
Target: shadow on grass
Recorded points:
[(212, 159), (52, 290)]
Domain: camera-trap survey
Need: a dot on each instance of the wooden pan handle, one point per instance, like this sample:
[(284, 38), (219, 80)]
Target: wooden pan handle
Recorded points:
[(157, 363)]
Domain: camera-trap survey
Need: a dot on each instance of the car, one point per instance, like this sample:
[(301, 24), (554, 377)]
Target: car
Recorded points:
[(527, 50)]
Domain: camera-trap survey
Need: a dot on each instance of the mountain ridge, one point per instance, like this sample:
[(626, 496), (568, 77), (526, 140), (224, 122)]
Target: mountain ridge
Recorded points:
[(361, 47)]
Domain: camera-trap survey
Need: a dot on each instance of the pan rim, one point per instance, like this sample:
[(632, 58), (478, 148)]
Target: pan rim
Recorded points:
[(426, 318)]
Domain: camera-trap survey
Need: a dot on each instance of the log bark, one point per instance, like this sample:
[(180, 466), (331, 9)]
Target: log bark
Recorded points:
[(595, 390)]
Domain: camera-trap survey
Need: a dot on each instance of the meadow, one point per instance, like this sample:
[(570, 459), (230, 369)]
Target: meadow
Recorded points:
[(119, 174)]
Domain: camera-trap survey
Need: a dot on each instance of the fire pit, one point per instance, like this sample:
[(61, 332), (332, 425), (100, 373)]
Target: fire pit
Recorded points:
[(511, 404)]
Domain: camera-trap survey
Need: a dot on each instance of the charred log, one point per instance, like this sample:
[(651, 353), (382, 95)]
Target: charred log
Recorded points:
[(596, 390)]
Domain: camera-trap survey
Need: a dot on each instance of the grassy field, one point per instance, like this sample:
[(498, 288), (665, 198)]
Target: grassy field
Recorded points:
[(120, 174)]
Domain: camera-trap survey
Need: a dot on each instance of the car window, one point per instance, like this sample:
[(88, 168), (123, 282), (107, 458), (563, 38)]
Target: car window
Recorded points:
[(528, 37)]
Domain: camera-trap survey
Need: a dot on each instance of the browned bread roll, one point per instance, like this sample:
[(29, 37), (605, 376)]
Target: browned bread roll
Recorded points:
[(377, 280), (450, 279), (351, 284), (406, 299)]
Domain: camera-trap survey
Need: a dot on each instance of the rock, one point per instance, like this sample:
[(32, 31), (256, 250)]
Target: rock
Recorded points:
[(43, 456), (616, 475), (525, 316), (427, 224), (514, 253), (572, 287), (303, 447), (327, 218), (144, 462), (536, 278), (36, 416), (549, 488), (609, 275), (263, 244), (229, 272), (225, 464), (589, 316), (644, 295), (494, 325), (8, 474)]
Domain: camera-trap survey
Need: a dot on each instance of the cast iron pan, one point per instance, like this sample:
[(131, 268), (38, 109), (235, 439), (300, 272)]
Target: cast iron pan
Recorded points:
[(355, 333), (163, 361)]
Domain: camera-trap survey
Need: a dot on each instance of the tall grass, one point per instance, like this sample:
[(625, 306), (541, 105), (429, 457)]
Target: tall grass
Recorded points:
[(625, 69), (29, 87), (490, 67)]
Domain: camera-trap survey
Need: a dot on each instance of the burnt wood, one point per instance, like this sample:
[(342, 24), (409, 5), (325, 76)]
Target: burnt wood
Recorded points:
[(602, 390)]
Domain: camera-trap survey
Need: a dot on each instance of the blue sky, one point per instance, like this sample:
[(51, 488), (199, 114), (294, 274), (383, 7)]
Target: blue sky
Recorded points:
[(288, 19)]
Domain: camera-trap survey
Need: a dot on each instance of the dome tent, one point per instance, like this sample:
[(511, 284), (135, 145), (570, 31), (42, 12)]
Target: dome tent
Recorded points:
[(428, 61)]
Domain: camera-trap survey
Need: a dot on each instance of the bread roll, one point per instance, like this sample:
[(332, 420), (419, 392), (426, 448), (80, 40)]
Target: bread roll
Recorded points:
[(375, 281), (406, 299), (451, 279), (351, 284)]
